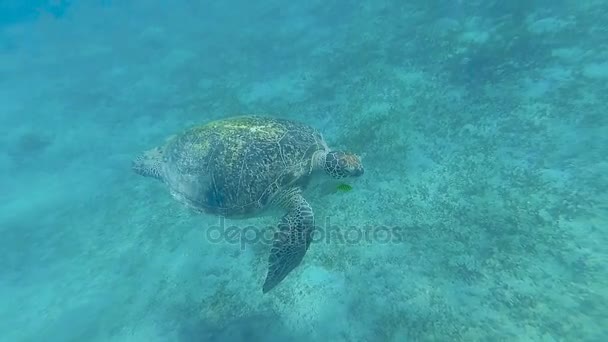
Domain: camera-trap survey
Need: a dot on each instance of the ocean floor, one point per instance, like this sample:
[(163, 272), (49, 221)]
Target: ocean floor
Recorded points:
[(482, 214)]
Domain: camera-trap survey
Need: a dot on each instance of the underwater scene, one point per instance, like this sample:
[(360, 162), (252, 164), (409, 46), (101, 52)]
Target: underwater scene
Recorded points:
[(377, 170)]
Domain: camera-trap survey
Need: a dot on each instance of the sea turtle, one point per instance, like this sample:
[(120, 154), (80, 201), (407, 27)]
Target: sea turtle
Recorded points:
[(242, 166)]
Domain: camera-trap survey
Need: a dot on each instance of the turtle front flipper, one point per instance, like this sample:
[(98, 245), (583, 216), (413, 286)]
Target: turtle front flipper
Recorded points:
[(292, 239)]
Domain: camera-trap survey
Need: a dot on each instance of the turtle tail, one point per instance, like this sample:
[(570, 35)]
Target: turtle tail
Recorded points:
[(148, 164)]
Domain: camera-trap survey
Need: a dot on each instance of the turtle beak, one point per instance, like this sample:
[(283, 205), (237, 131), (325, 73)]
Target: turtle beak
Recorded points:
[(357, 172), (357, 167)]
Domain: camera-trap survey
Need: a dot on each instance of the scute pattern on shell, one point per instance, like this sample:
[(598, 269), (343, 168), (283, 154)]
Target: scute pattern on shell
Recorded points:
[(234, 166)]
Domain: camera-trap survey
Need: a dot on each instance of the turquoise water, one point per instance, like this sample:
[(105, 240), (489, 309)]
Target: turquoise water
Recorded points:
[(482, 126)]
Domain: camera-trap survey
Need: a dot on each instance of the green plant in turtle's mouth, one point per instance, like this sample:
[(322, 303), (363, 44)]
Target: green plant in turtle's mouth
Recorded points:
[(343, 187)]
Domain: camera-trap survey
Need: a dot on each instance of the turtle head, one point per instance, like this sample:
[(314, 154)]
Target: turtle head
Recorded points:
[(340, 164)]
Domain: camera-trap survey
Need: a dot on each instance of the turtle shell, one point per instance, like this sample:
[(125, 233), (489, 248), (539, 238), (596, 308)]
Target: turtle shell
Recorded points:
[(234, 166)]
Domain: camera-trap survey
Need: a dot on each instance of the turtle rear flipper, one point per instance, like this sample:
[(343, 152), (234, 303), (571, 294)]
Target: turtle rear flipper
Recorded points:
[(148, 164), (291, 241)]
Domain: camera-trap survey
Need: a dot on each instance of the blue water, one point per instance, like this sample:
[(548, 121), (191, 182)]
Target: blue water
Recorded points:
[(482, 126)]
